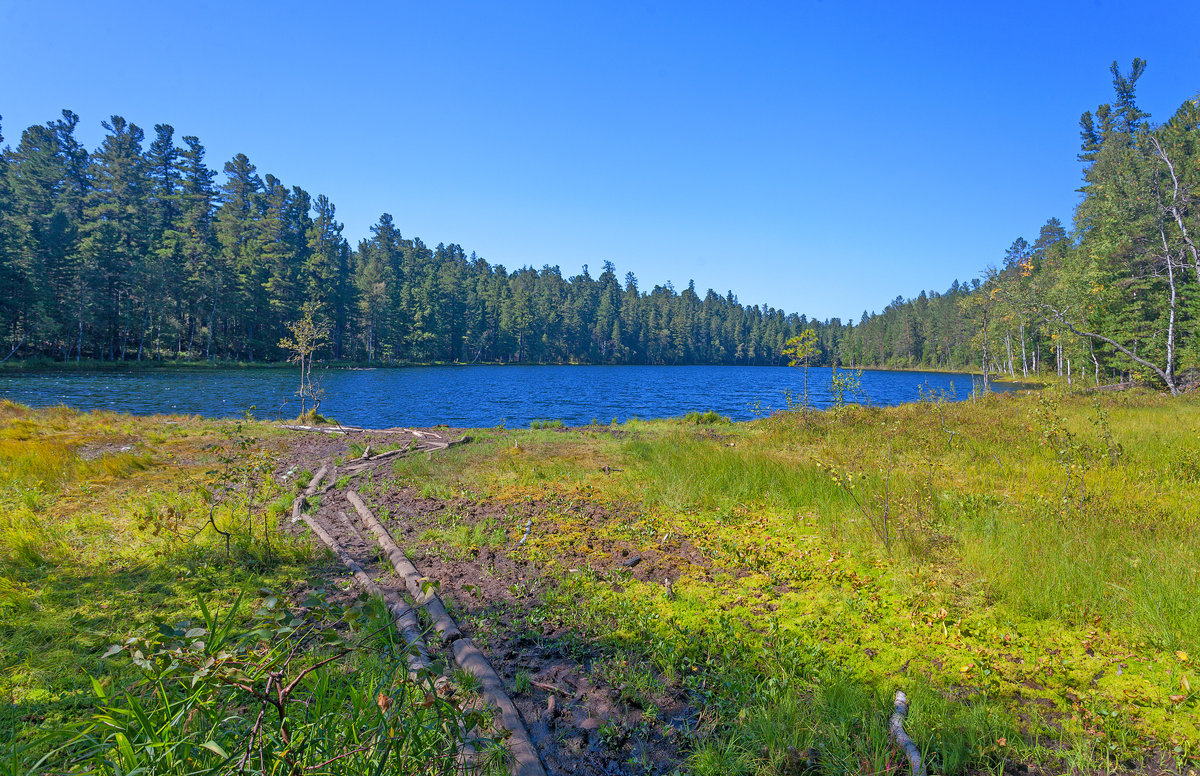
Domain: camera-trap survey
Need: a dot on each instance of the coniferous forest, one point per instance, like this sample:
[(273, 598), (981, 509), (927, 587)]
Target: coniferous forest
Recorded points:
[(139, 250)]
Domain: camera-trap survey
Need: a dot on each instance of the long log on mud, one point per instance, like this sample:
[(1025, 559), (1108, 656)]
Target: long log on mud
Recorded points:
[(301, 501), (318, 429), (525, 757), (418, 586), (370, 462), (402, 613), (340, 429), (315, 482), (896, 733), (389, 453)]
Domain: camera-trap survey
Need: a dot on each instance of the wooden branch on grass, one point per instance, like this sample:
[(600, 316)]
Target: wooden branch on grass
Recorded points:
[(301, 501), (418, 586), (897, 733), (525, 757), (403, 614)]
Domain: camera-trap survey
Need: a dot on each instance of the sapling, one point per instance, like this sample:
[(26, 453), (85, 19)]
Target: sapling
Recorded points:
[(307, 335), (799, 350)]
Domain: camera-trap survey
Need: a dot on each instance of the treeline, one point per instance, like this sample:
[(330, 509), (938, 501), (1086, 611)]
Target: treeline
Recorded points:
[(135, 251), (1119, 297)]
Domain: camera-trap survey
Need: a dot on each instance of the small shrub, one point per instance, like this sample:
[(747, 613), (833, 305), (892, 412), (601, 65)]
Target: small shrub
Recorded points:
[(709, 418), (291, 689)]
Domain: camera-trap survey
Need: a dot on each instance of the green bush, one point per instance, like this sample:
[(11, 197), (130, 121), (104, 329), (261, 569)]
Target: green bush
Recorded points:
[(322, 689), (709, 418)]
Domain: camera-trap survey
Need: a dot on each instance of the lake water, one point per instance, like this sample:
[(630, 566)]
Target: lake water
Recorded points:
[(467, 396)]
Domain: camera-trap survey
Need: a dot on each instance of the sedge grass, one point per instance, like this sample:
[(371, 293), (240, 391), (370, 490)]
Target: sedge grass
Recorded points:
[(1040, 551)]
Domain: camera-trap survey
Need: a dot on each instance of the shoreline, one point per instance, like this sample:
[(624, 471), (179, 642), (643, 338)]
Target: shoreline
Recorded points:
[(46, 365)]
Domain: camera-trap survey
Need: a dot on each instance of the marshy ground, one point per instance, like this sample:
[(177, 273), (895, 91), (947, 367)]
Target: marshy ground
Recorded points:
[(694, 594)]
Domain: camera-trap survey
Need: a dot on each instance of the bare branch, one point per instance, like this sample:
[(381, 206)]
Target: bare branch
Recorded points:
[(1061, 317)]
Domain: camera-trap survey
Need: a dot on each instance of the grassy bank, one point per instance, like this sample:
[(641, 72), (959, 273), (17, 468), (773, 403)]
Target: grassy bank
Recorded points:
[(1024, 567), (144, 582)]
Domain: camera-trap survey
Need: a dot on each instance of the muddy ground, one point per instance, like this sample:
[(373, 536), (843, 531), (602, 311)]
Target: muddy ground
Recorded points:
[(579, 720)]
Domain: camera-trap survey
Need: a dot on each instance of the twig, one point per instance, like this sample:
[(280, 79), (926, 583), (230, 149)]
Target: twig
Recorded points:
[(340, 756), (550, 688)]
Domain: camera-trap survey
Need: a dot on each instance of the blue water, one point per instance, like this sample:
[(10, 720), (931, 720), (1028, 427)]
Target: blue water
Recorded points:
[(468, 396)]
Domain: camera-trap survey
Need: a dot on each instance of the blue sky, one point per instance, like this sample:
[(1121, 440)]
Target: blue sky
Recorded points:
[(820, 157)]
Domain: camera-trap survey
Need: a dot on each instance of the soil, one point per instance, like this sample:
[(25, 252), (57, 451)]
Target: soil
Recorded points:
[(579, 721)]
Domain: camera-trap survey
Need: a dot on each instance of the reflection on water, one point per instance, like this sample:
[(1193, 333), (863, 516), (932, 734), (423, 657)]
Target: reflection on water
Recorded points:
[(470, 396)]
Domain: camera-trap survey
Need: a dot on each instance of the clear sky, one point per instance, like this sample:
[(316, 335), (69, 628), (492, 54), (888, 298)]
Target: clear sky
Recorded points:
[(820, 157)]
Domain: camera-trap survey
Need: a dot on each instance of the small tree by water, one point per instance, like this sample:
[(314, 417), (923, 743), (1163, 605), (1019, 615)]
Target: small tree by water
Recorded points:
[(799, 350), (307, 335)]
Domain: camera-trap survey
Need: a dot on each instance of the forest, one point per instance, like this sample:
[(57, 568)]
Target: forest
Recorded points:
[(139, 251)]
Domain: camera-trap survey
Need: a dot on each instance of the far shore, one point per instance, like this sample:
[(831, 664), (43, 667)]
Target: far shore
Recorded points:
[(35, 365)]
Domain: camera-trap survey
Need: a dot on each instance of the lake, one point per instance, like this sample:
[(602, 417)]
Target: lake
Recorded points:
[(468, 396)]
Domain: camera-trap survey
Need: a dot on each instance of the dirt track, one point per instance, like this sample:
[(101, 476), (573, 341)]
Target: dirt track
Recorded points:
[(495, 596)]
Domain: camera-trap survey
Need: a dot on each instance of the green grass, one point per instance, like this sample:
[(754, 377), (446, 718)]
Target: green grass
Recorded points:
[(1024, 567), (998, 558), (456, 539), (102, 533), (708, 418)]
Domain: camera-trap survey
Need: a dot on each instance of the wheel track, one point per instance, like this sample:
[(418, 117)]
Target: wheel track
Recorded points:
[(348, 532)]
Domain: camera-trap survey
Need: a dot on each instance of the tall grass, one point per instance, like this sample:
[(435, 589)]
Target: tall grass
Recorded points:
[(1050, 521), (686, 473)]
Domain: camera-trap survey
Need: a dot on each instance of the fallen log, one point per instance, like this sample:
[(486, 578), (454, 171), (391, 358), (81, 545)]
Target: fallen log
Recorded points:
[(315, 482), (525, 757), (403, 614), (417, 585), (318, 429), (332, 481), (301, 501), (390, 453), (896, 733)]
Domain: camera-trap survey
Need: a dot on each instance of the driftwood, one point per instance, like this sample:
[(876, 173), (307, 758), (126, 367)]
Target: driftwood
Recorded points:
[(369, 462), (402, 613), (333, 480), (389, 453), (525, 757), (897, 734), (315, 482), (417, 585), (301, 501), (319, 429)]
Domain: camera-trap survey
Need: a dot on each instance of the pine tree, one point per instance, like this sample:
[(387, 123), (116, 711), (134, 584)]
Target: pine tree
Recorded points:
[(242, 276), (115, 236)]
